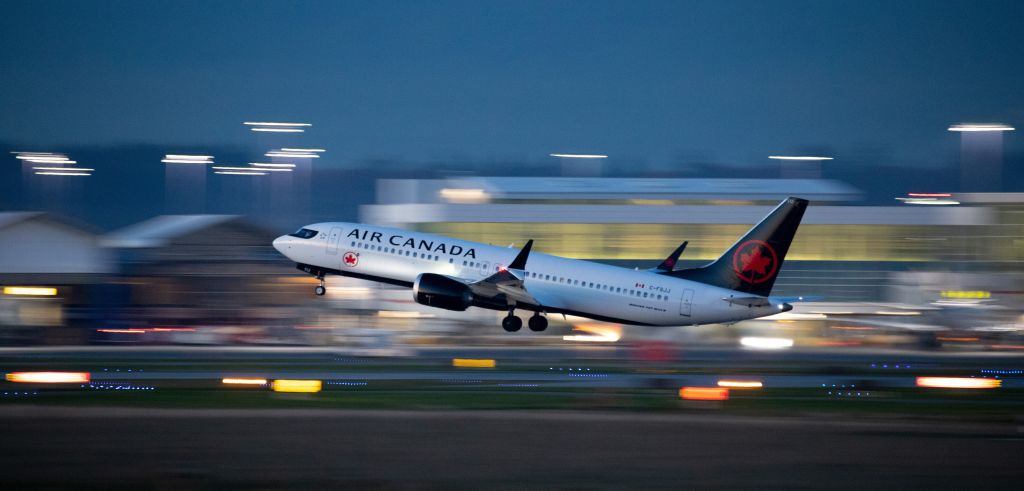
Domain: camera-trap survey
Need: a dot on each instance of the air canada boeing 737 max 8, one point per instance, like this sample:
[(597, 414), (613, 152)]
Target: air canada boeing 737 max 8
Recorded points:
[(456, 274)]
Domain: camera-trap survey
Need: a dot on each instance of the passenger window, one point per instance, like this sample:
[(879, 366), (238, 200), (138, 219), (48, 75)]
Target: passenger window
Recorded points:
[(451, 261)]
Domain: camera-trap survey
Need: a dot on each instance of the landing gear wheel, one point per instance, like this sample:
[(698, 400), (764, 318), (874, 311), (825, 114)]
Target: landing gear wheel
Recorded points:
[(512, 323), (538, 323), (320, 290)]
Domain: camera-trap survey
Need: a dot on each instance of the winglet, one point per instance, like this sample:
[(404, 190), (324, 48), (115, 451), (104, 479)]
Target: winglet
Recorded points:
[(670, 262), (520, 261)]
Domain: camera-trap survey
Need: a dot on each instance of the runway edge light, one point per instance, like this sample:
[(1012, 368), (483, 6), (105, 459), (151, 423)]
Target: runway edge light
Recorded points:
[(704, 393), (49, 377), (303, 386), (959, 382), (471, 363)]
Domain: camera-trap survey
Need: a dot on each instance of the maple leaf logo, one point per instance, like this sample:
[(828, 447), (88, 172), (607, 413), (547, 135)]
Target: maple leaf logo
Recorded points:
[(350, 258), (755, 262)]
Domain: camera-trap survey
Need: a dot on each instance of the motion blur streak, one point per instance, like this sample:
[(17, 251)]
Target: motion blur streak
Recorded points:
[(980, 127), (797, 157), (471, 363), (253, 123), (303, 386), (740, 384), (279, 130), (464, 195), (49, 377), (959, 382), (37, 291), (244, 381), (704, 393), (766, 343), (578, 156)]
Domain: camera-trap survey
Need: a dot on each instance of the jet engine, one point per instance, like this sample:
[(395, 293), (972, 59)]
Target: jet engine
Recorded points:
[(442, 292)]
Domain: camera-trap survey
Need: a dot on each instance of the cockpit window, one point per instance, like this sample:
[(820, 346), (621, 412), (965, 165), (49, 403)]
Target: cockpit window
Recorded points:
[(304, 233)]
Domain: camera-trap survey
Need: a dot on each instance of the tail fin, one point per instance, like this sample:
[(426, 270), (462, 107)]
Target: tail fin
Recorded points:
[(752, 263)]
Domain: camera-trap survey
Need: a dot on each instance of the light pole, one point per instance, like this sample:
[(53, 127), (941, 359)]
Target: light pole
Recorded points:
[(981, 155)]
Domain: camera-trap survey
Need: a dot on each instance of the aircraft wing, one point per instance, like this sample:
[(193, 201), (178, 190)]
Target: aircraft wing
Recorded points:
[(508, 281)]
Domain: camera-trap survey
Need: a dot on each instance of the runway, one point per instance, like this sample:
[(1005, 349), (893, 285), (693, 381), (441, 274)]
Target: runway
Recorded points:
[(187, 449)]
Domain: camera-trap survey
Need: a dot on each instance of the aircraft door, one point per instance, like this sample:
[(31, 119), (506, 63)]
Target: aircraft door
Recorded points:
[(332, 240), (485, 269), (686, 303)]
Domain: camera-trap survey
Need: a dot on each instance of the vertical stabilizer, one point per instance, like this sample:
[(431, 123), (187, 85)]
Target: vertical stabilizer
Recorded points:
[(753, 262)]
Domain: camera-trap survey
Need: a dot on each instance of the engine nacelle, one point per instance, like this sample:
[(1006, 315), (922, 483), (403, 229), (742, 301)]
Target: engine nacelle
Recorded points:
[(442, 292)]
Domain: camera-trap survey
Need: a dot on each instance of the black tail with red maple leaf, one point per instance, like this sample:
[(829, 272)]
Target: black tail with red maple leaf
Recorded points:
[(753, 262)]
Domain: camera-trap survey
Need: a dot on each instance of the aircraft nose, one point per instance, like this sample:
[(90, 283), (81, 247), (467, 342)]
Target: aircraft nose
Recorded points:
[(281, 243)]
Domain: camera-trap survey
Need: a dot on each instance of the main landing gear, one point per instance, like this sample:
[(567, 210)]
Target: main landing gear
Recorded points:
[(538, 322), (320, 289), (511, 323)]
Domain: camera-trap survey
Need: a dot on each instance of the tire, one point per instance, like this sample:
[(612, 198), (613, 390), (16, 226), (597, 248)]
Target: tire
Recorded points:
[(512, 323), (538, 323), (320, 291)]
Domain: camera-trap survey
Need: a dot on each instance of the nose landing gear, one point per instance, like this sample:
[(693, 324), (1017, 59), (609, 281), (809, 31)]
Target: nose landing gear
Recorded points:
[(320, 289)]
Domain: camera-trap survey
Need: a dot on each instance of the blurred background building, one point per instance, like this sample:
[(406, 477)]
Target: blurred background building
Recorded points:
[(922, 271)]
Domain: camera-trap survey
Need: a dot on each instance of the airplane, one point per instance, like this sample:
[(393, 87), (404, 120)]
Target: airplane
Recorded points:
[(456, 274)]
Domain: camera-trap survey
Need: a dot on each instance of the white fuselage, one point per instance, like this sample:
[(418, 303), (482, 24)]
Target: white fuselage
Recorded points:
[(560, 284)]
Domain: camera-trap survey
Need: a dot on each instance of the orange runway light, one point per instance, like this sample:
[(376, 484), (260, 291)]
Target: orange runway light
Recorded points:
[(959, 382), (303, 386), (244, 381), (471, 363), (740, 384), (704, 393), (49, 377)]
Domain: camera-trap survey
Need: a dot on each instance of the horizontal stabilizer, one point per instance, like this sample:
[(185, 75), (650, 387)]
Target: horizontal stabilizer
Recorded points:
[(748, 301)]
